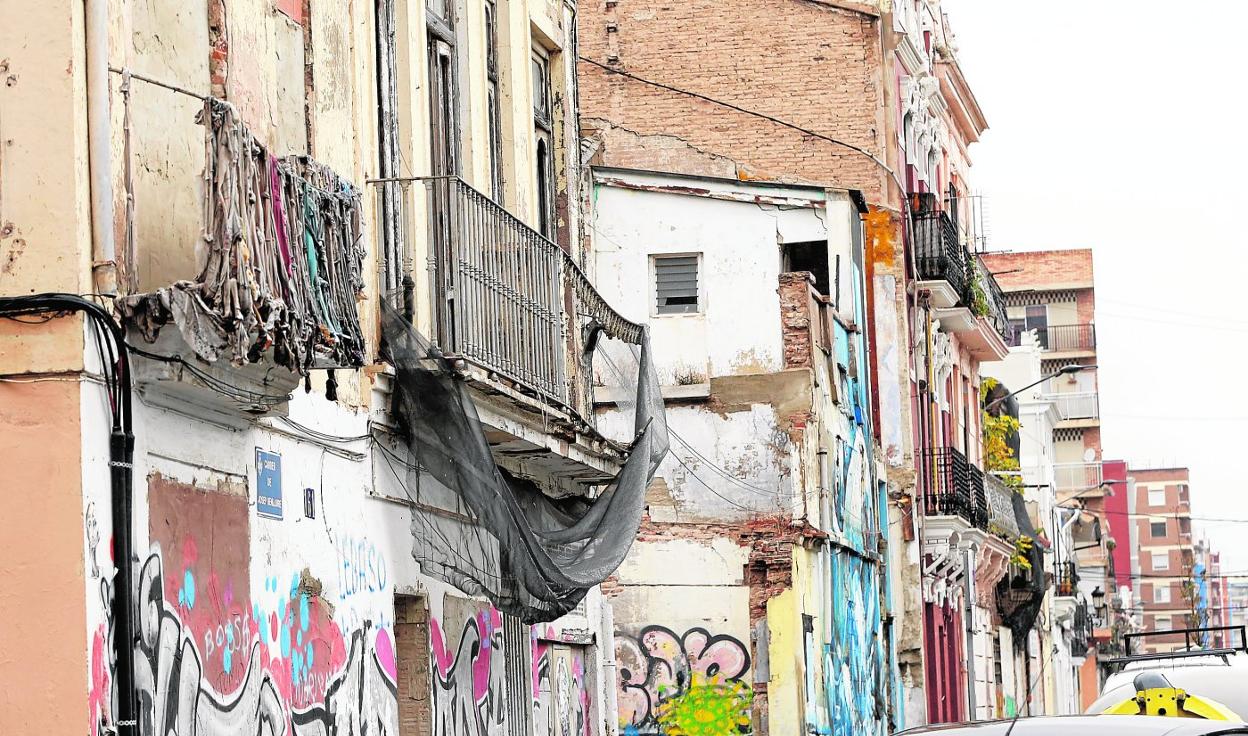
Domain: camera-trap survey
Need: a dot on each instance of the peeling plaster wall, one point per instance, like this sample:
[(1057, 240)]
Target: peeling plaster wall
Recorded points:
[(295, 618), (736, 517)]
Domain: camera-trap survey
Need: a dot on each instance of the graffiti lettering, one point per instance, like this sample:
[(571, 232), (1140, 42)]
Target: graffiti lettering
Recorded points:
[(689, 685), (362, 568), (178, 697), (468, 690)]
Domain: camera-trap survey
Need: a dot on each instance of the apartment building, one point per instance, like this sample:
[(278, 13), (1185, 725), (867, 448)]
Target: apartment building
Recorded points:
[(1167, 591), (661, 95), (263, 502)]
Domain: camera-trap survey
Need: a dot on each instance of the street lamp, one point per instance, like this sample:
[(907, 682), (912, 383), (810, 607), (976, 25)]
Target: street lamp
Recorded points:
[(1065, 370)]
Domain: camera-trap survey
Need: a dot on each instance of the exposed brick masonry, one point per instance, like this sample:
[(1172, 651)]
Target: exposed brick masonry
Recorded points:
[(759, 54)]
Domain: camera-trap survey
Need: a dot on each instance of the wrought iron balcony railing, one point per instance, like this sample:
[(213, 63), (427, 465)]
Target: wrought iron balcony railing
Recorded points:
[(504, 297), (994, 303), (939, 253), (952, 487)]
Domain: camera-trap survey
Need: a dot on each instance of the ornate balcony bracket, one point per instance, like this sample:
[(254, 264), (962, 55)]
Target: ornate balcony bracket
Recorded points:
[(945, 540)]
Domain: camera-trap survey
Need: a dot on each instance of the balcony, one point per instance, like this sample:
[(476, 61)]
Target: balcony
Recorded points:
[(1067, 579), (1079, 338), (953, 487), (1072, 477), (274, 291), (1076, 406), (514, 313), (940, 257)]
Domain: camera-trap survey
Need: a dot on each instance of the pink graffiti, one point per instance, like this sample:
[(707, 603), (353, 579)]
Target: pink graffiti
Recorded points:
[(657, 665), (98, 699), (385, 654)]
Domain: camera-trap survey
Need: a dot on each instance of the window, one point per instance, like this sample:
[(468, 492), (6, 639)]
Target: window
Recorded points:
[(492, 101), (676, 284), (1037, 318), (812, 257), (388, 146), (1161, 594), (1157, 528), (1156, 496), (444, 141), (1161, 560), (544, 140), (1162, 623)]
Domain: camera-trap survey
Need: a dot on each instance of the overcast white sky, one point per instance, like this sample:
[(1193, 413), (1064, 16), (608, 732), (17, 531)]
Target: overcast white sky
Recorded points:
[(1118, 125)]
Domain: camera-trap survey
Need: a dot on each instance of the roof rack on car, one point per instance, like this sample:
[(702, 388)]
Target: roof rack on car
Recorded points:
[(1192, 637)]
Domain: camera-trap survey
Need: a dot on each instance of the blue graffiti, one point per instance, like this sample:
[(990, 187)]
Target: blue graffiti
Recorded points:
[(854, 661), (362, 567)]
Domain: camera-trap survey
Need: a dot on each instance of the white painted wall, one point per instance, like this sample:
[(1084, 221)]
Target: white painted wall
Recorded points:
[(358, 546)]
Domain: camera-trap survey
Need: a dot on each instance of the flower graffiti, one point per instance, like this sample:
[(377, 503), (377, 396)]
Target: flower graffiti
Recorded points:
[(682, 685)]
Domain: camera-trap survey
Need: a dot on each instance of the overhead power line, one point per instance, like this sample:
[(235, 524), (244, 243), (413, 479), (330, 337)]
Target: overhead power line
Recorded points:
[(733, 106)]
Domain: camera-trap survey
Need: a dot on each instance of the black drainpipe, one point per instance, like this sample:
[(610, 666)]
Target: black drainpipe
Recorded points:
[(121, 473)]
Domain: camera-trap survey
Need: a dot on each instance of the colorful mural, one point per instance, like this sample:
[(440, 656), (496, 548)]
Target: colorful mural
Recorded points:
[(854, 661), (179, 671), (469, 694), (682, 685), (220, 653)]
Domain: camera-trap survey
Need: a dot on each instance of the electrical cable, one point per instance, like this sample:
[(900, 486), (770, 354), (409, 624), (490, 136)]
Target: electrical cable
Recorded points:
[(115, 364), (738, 108)]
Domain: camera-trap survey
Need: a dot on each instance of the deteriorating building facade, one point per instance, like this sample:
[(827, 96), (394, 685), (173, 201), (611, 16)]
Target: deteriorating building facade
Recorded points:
[(261, 501), (757, 573)]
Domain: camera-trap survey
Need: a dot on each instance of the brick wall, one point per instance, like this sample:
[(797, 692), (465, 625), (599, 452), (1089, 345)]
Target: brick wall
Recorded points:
[(1041, 269), (808, 63), (795, 317)]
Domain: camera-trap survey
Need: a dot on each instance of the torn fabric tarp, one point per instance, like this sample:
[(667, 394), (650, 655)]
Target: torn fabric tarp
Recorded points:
[(493, 534), (283, 264)]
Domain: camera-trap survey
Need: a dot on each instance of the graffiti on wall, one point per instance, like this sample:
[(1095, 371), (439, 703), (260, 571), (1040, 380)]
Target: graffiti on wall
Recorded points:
[(177, 695), (682, 685), (220, 653), (854, 664), (468, 685), (560, 694)]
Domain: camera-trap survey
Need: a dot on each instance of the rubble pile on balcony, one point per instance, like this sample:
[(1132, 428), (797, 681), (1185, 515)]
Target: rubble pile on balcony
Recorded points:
[(283, 260)]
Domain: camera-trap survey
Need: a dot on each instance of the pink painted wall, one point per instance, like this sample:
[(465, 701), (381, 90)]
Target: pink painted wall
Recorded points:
[(1118, 521)]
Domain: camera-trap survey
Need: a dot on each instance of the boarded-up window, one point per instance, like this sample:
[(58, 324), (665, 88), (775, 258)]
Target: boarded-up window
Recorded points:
[(676, 284)]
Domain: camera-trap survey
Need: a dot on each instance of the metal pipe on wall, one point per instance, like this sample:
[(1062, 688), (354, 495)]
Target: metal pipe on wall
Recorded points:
[(969, 613), (99, 148)]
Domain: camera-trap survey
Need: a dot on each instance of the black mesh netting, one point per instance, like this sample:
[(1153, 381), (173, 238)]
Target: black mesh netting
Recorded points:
[(488, 532)]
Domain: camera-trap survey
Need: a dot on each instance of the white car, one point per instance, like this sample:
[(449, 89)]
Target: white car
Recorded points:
[(1219, 675)]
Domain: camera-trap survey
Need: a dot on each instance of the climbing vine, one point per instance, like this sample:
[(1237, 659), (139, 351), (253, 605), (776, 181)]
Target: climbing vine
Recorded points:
[(1022, 552), (998, 456)]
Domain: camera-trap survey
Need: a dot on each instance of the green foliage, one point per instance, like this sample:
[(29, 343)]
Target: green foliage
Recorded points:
[(979, 297), (1022, 551), (998, 456)]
